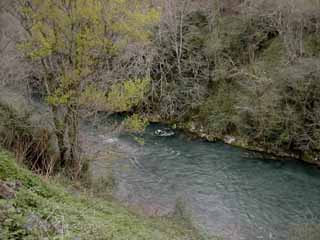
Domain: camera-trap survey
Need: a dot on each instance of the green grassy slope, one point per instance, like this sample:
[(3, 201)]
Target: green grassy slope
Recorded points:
[(43, 210)]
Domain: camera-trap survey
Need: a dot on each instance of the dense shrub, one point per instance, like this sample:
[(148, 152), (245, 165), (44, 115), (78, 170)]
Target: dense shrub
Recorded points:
[(219, 110), (32, 143)]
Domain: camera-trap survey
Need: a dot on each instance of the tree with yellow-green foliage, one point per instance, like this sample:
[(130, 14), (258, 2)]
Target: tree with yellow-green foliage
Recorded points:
[(69, 42)]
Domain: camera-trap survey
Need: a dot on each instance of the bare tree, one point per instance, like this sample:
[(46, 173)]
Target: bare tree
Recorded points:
[(181, 69), (290, 18), (13, 68)]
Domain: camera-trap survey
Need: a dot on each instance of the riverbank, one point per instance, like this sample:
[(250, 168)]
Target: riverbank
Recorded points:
[(198, 130), (35, 208), (248, 144)]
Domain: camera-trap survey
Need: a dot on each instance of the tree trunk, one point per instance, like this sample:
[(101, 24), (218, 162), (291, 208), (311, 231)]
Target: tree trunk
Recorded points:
[(60, 130), (73, 137), (67, 133)]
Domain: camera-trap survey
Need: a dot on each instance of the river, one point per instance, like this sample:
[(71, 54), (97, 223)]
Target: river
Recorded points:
[(222, 190)]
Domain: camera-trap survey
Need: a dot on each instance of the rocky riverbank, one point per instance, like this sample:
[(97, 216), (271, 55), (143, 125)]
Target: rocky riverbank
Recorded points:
[(199, 131)]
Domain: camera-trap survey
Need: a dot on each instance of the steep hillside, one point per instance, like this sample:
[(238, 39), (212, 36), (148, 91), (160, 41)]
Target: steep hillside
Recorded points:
[(31, 208)]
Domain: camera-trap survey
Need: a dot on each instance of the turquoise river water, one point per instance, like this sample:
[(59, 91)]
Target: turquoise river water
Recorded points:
[(223, 190)]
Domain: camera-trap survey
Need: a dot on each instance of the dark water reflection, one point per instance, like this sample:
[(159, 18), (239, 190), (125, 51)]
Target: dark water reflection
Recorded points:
[(226, 190)]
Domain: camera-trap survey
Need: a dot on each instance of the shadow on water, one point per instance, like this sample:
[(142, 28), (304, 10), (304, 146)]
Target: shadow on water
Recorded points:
[(226, 191)]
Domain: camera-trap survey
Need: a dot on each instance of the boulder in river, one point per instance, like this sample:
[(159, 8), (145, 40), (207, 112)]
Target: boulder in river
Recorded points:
[(229, 139), (164, 132)]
